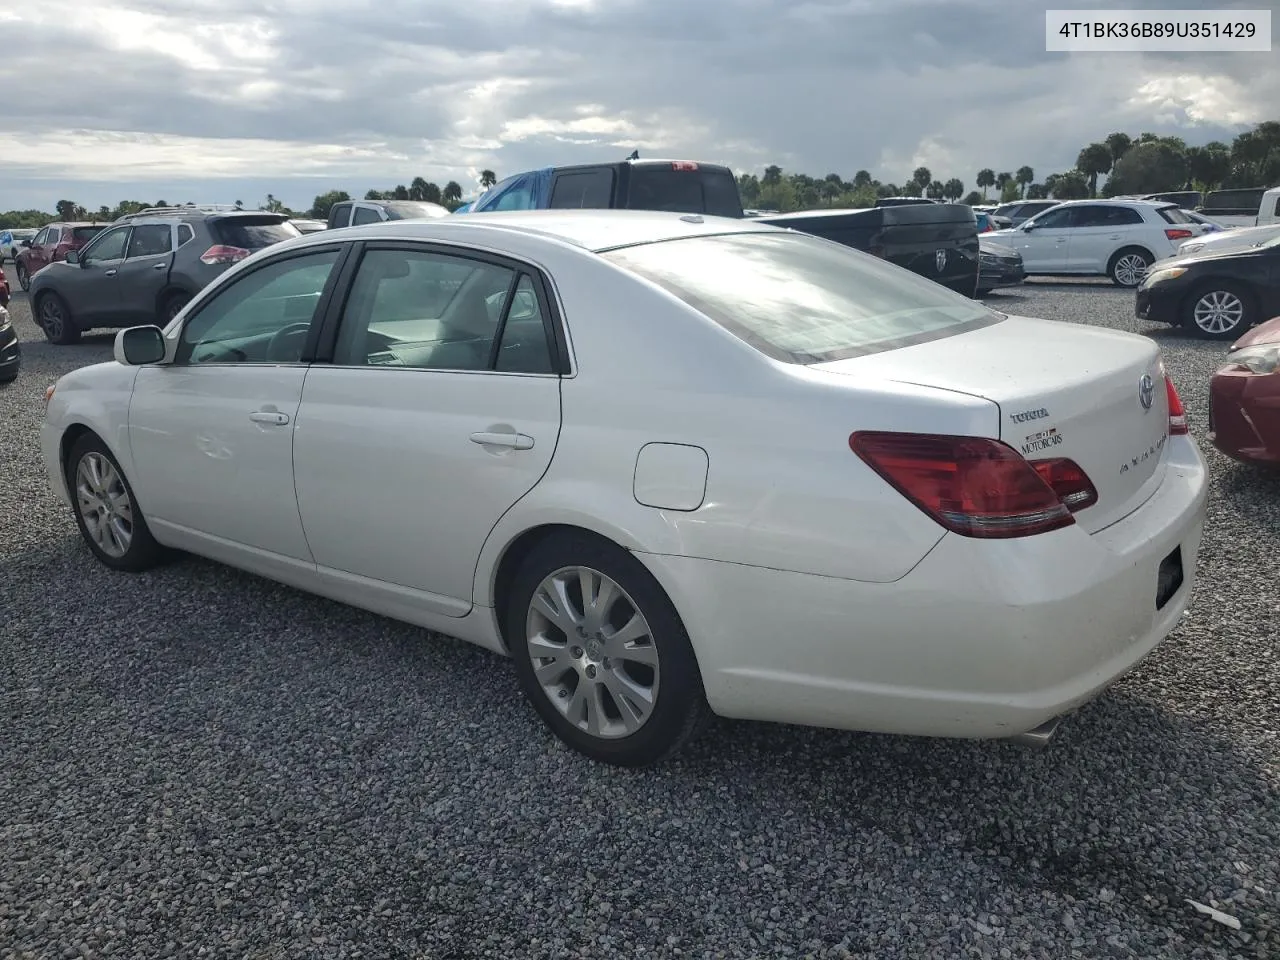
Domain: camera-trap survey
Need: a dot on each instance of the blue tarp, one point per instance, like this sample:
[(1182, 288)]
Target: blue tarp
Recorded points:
[(523, 191)]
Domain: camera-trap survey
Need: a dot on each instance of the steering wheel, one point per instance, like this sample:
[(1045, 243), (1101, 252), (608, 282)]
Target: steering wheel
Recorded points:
[(280, 337)]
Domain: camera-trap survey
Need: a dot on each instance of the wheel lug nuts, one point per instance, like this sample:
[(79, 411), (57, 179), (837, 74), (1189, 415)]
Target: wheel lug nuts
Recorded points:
[(591, 673), (576, 651)]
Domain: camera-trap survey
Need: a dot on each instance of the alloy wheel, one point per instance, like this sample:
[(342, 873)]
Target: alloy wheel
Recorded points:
[(52, 320), (24, 279), (1218, 312), (592, 652), (1130, 269), (104, 504)]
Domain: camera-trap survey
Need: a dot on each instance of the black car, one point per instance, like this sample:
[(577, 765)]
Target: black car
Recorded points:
[(146, 266), (10, 351), (356, 213), (999, 265), (1216, 296)]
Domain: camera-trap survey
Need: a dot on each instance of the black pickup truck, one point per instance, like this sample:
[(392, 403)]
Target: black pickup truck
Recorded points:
[(935, 240)]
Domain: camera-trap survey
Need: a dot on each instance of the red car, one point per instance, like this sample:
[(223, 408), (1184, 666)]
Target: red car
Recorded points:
[(4, 289), (53, 243), (1244, 398)]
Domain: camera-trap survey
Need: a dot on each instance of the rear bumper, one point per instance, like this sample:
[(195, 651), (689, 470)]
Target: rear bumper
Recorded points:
[(981, 639), (1244, 415)]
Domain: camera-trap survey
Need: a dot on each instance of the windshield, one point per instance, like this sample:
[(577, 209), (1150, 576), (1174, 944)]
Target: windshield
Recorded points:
[(802, 299)]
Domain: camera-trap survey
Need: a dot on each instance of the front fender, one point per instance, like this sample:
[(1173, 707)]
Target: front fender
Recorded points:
[(96, 399)]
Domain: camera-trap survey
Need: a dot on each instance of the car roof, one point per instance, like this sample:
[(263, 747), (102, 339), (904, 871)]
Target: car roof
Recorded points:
[(594, 230), (78, 223)]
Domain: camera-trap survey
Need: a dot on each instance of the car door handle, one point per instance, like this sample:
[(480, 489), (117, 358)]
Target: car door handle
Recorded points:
[(274, 417), (1115, 236), (516, 441), (111, 272), (159, 266)]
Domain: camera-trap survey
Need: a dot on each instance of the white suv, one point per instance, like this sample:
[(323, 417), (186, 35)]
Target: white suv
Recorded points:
[(1119, 239)]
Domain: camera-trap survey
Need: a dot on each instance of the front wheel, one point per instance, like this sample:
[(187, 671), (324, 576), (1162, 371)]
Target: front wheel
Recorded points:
[(55, 320), (1219, 311), (172, 306), (1128, 268), (105, 509), (601, 653)]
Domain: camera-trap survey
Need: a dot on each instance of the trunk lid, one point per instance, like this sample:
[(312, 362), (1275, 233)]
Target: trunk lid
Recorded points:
[(1063, 390)]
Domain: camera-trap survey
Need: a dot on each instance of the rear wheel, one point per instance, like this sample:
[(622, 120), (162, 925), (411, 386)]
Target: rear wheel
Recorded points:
[(105, 510), (55, 320), (1129, 266), (171, 306), (1219, 311), (601, 652), (24, 278)]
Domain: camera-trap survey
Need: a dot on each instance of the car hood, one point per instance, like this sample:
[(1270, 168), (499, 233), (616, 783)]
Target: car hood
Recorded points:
[(1268, 332), (999, 249)]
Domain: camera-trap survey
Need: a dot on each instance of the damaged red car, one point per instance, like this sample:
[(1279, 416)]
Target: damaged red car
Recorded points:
[(1244, 398)]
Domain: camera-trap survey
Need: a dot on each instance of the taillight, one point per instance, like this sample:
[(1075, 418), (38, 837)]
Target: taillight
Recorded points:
[(1178, 233), (220, 253), (1177, 415), (683, 165), (972, 486), (1067, 479)]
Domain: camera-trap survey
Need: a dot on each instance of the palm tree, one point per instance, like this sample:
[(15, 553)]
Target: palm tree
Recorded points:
[(861, 179), (1002, 182), (1093, 160), (239, 204), (953, 189), (986, 178), (832, 188), (1118, 144), (452, 194), (935, 190), (1024, 176), (487, 179), (417, 189), (922, 177)]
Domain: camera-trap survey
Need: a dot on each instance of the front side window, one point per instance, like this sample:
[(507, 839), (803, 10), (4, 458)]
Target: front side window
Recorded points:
[(1055, 219), (516, 198), (801, 299), (40, 238), (435, 311), (55, 236), (150, 240), (108, 246), (261, 317)]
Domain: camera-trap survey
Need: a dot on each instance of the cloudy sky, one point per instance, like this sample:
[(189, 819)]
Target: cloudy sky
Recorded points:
[(223, 100)]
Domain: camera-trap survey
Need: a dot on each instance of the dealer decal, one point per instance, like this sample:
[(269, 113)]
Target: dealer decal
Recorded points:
[(1038, 414), (1041, 441), (1151, 451)]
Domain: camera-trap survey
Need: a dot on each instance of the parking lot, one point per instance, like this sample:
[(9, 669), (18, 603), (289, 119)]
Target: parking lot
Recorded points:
[(198, 762)]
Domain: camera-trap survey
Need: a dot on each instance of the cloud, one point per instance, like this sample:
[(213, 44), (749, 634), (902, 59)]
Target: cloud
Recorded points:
[(201, 95)]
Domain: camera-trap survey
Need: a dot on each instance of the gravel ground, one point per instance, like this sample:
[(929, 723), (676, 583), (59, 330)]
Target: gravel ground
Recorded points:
[(198, 763)]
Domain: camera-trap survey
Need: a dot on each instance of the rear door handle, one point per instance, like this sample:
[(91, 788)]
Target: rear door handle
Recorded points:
[(159, 266), (111, 272), (274, 417), (516, 441)]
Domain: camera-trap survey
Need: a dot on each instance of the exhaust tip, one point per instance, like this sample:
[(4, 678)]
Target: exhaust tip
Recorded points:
[(1038, 738)]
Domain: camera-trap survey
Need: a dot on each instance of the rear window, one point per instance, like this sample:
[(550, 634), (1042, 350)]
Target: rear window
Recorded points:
[(709, 191), (253, 233), (1174, 215), (801, 299), (85, 234)]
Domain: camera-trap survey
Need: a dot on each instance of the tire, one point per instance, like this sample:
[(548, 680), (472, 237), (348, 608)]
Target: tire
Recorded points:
[(54, 319), (24, 279), (678, 703), (1122, 268), (979, 294), (107, 500), (1219, 311), (170, 306)]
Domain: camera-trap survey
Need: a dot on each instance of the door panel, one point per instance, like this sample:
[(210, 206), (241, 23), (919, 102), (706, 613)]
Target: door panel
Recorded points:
[(92, 292), (1046, 247), (144, 272)]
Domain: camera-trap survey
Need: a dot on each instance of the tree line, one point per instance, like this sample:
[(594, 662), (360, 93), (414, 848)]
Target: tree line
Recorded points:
[(1146, 163)]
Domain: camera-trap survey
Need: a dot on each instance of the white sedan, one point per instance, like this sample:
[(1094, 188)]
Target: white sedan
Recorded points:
[(664, 463)]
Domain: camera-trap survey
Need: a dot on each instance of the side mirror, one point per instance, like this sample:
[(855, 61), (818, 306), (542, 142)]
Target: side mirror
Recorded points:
[(1027, 225), (73, 256), (135, 346)]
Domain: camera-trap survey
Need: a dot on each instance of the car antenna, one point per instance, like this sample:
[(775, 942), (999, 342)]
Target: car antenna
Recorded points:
[(635, 155)]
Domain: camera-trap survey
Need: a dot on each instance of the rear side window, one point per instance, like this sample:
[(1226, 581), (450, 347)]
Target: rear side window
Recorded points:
[(85, 234), (801, 299), (339, 215), (186, 233), (365, 215), (1106, 216), (253, 233), (583, 190), (713, 192)]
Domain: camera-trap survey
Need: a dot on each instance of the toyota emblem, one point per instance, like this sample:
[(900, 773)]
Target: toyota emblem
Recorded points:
[(940, 258), (1146, 391)]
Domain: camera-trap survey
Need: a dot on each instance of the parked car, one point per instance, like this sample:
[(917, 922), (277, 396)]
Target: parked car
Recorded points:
[(51, 245), (970, 523), (147, 266), (1239, 238), (305, 225), (358, 212), (998, 266), (10, 348), (1210, 225), (903, 201), (1022, 210), (4, 289), (1214, 295), (1185, 199), (938, 241), (11, 242), (1119, 239), (1241, 207), (1244, 398), (986, 223)]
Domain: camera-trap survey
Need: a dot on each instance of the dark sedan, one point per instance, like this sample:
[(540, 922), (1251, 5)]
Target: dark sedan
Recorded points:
[(998, 266), (10, 352), (1244, 398), (1215, 296)]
